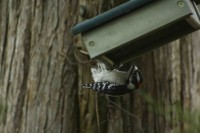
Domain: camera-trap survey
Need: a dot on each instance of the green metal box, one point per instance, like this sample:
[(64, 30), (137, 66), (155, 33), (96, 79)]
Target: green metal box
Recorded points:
[(151, 26)]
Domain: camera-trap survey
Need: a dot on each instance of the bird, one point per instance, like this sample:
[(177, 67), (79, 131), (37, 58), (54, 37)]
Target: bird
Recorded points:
[(115, 82)]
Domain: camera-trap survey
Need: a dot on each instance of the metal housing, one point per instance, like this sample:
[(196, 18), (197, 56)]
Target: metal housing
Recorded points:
[(144, 29)]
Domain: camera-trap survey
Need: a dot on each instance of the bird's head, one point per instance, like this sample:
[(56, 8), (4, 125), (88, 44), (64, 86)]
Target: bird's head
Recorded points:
[(135, 78)]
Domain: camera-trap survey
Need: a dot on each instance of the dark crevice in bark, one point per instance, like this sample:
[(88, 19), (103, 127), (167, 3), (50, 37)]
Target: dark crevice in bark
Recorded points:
[(182, 84), (23, 89), (61, 115), (42, 19), (170, 102), (191, 72), (5, 38), (68, 92), (34, 8), (154, 94), (26, 62), (11, 62), (69, 107), (57, 14), (47, 126), (3, 55), (78, 113), (60, 109), (132, 110), (62, 97), (63, 94), (39, 73), (26, 114)]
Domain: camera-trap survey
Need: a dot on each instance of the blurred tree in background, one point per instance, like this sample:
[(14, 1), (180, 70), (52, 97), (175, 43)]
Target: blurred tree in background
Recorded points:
[(40, 77)]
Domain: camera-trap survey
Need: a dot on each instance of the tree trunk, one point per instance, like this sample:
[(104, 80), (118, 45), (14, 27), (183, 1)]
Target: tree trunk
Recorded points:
[(40, 83)]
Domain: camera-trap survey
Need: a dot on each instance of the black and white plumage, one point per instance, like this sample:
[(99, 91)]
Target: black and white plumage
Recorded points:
[(108, 83), (108, 88)]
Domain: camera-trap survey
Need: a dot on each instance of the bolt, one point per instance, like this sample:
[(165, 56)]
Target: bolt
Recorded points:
[(91, 43), (180, 3)]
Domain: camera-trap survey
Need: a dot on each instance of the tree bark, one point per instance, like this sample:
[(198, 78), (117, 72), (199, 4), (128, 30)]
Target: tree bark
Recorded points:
[(40, 80), (38, 84)]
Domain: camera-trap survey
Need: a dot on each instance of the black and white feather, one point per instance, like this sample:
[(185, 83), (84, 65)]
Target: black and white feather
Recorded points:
[(107, 88), (115, 82)]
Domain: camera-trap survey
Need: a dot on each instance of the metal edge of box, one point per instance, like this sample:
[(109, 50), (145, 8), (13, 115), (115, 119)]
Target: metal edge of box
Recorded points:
[(94, 54), (194, 18)]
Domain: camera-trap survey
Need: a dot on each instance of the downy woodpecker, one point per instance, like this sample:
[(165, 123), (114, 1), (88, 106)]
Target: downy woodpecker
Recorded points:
[(115, 82)]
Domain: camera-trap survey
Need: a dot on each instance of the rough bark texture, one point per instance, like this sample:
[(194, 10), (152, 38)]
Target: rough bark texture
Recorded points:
[(40, 91), (38, 85)]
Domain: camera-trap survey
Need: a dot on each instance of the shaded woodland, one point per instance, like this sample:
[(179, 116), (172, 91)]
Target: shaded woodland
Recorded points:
[(41, 76)]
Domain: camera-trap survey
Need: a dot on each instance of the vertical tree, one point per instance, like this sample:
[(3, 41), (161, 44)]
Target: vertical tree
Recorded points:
[(40, 87)]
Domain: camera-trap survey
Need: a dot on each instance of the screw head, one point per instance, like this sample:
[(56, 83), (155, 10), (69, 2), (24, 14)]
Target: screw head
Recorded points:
[(91, 43), (181, 3)]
